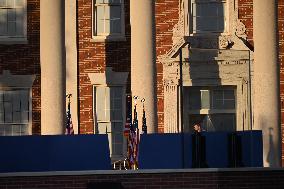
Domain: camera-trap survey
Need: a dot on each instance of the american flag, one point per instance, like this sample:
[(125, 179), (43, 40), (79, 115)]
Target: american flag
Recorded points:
[(128, 117), (133, 142), (69, 125)]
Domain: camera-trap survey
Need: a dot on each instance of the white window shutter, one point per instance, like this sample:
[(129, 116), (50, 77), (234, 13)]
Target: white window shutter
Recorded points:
[(107, 104), (100, 103), (100, 19)]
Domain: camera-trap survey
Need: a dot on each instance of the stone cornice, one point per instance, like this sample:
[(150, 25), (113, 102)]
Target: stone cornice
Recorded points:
[(108, 78), (9, 80)]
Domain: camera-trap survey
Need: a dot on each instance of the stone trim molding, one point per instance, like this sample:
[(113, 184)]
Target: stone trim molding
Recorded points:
[(9, 80), (109, 78)]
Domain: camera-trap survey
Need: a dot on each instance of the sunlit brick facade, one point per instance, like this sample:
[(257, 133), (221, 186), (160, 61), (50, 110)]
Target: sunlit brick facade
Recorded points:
[(98, 66)]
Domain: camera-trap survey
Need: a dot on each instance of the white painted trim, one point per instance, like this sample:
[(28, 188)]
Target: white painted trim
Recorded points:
[(110, 79), (18, 39), (16, 81), (9, 82), (71, 59), (109, 37)]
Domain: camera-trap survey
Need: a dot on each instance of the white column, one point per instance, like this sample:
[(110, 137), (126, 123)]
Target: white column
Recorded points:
[(171, 104), (71, 59), (266, 80), (52, 57), (143, 59)]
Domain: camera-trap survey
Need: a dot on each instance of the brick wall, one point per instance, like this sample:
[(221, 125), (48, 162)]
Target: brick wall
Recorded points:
[(246, 16), (202, 179), (94, 57), (24, 59), (281, 62), (167, 14)]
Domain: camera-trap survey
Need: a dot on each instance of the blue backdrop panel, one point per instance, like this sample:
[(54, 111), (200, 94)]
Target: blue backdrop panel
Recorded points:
[(54, 153), (79, 152), (164, 151), (251, 148), (26, 153), (216, 144)]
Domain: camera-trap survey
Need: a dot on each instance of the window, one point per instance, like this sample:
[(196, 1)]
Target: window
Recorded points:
[(208, 16), (14, 112), (109, 115), (12, 18), (213, 107), (108, 18)]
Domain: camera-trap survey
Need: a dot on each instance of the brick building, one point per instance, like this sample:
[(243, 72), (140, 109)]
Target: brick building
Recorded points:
[(102, 50)]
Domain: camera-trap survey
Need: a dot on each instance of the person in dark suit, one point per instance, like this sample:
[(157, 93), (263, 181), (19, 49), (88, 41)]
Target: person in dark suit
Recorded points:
[(197, 128)]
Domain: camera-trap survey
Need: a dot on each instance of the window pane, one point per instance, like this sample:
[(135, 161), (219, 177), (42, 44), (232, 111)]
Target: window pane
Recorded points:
[(218, 104), (10, 3), (8, 130), (114, 1), (16, 130), (19, 3), (11, 14), (194, 99), (221, 24), (116, 103), (209, 24), (229, 104), (12, 28), (229, 94), (24, 129), (2, 3), (2, 130), (199, 9), (115, 21), (16, 101), (100, 19), (117, 138), (223, 122), (217, 95), (24, 96), (99, 1), (24, 117), (20, 21), (221, 9), (8, 112), (16, 117), (205, 99), (3, 22), (1, 117), (208, 16)]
